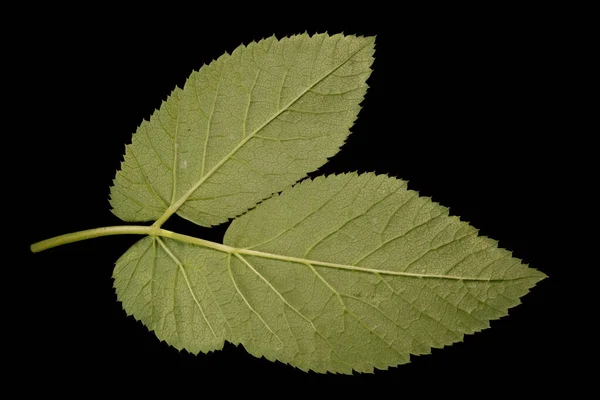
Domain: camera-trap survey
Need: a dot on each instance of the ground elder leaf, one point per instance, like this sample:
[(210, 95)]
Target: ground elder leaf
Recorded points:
[(337, 274)]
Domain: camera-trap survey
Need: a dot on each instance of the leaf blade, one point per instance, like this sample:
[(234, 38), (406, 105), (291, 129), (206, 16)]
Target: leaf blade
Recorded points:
[(416, 298), (189, 154), (171, 299)]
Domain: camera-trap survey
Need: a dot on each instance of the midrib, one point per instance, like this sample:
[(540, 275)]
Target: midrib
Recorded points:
[(154, 231), (299, 260)]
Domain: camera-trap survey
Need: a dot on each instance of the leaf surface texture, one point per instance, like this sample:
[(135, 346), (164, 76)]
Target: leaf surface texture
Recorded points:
[(335, 274), (244, 127)]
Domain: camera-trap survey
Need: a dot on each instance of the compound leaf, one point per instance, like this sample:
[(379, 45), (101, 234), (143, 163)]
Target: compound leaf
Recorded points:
[(244, 127), (341, 273), (335, 274)]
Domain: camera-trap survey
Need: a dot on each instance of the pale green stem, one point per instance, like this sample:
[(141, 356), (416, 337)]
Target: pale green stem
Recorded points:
[(122, 230), (89, 234)]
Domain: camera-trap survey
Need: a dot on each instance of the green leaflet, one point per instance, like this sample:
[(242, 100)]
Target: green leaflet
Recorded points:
[(337, 274), (170, 286), (244, 127)]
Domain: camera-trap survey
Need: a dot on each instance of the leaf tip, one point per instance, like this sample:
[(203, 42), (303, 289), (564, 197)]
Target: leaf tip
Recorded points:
[(536, 274)]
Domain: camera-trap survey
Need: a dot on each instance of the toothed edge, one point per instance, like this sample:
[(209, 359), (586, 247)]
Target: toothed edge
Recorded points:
[(223, 58), (180, 349), (427, 347), (487, 324)]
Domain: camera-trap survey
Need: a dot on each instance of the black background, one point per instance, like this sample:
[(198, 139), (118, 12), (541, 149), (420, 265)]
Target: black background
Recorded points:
[(460, 104)]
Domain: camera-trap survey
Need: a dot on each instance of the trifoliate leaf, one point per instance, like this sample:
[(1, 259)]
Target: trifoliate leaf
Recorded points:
[(334, 274), (244, 127), (337, 274)]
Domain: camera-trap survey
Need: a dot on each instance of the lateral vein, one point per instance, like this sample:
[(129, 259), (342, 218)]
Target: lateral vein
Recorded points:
[(187, 281)]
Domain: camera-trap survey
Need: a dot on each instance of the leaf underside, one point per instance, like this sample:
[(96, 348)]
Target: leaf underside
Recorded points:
[(336, 274), (244, 127)]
